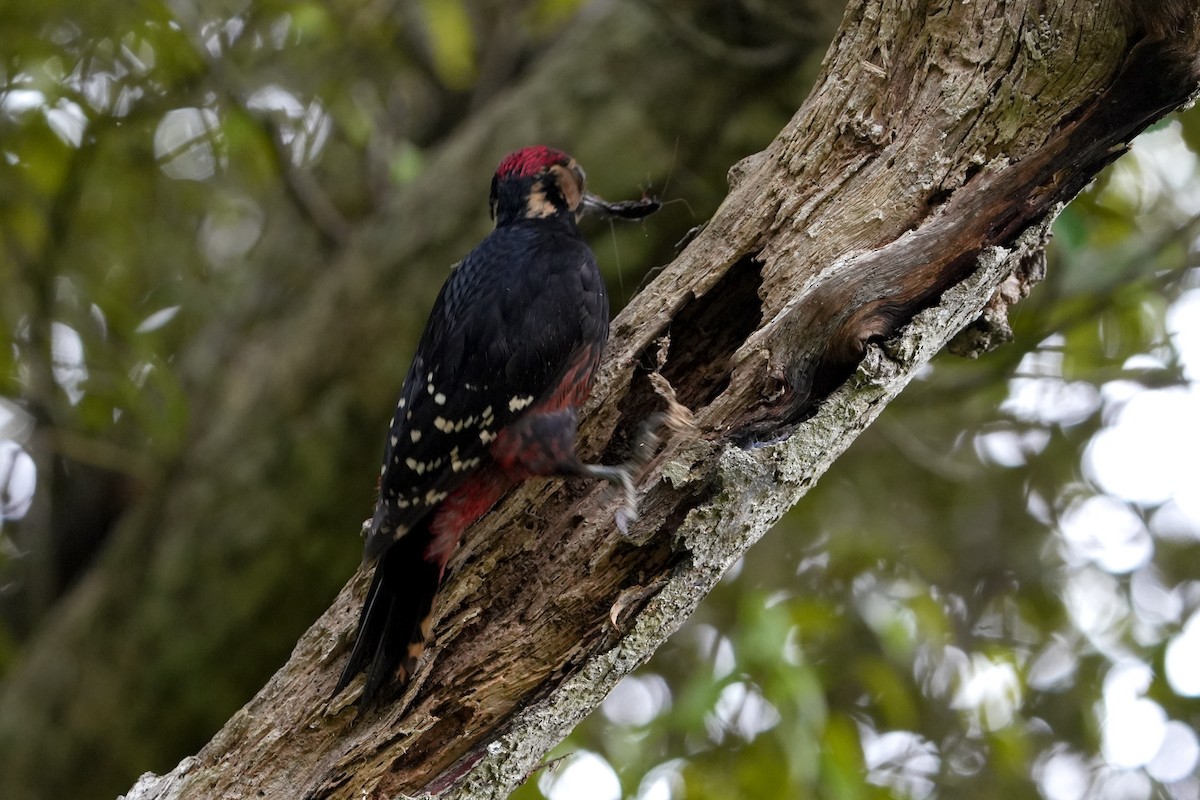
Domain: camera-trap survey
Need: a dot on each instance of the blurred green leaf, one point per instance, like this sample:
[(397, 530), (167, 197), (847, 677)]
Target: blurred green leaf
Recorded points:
[(452, 42)]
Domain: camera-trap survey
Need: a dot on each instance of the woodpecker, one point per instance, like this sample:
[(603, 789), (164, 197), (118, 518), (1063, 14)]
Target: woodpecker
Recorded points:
[(492, 398)]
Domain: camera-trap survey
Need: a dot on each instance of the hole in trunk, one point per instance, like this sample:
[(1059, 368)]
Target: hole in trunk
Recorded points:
[(705, 334)]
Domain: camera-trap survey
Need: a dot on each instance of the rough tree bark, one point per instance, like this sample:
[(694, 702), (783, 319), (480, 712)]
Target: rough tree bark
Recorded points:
[(912, 190)]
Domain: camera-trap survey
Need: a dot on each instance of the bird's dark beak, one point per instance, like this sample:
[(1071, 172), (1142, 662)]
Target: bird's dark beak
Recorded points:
[(592, 204), (625, 209)]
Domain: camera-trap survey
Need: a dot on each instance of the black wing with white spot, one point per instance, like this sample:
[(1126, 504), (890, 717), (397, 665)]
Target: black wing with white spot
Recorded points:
[(501, 334)]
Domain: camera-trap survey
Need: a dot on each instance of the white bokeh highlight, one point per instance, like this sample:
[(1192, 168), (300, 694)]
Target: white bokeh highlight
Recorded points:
[(1148, 455), (637, 700), (1063, 775), (18, 480), (1134, 727), (1182, 662), (989, 692), (69, 368), (583, 775), (185, 143), (902, 761), (1105, 531)]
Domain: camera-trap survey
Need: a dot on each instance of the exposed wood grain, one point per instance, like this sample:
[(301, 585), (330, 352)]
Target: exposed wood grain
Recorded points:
[(937, 136)]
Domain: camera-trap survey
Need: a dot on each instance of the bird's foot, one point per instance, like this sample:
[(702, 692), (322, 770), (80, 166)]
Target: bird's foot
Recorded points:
[(645, 445), (620, 476)]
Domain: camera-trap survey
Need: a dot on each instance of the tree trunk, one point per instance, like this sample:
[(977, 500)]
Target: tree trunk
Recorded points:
[(917, 179)]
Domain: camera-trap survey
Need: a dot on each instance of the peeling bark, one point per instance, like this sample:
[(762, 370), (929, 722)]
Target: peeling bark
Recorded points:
[(920, 175)]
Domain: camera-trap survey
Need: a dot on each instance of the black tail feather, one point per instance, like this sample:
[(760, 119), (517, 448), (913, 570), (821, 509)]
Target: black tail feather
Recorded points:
[(400, 597)]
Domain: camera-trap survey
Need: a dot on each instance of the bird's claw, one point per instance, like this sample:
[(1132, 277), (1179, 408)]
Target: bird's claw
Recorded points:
[(644, 447), (628, 512)]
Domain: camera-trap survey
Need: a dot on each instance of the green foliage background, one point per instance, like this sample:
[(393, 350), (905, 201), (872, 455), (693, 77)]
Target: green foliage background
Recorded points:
[(938, 618)]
